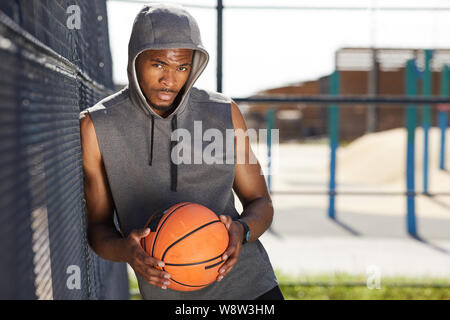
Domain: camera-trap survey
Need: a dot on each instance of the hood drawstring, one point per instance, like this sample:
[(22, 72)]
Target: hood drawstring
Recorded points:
[(151, 141), (173, 166)]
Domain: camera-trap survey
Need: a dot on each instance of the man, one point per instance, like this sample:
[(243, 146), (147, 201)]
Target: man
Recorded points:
[(129, 166)]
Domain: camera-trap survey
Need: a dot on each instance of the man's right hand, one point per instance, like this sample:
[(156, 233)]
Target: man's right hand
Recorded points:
[(141, 262)]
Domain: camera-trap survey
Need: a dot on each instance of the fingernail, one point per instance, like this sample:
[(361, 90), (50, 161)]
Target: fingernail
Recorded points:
[(164, 287), (161, 264), (167, 276), (219, 278), (167, 283), (222, 270), (225, 257)]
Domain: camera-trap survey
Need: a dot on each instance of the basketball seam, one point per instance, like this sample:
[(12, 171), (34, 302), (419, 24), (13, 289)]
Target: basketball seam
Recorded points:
[(187, 235), (192, 286), (167, 218), (191, 264), (213, 265)]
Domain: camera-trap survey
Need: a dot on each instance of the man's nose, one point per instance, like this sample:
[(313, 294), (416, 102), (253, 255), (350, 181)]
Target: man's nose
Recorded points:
[(168, 79)]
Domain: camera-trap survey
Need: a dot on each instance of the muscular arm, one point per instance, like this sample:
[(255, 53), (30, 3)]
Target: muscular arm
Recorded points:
[(250, 185), (103, 236)]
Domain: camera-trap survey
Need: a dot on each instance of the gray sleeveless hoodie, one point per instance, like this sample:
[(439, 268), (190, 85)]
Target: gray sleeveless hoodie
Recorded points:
[(135, 143)]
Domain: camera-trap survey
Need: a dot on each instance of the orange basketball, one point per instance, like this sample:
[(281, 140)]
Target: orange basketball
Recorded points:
[(190, 239)]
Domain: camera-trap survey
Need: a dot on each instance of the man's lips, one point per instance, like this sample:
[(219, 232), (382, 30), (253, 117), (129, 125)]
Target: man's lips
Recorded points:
[(165, 95)]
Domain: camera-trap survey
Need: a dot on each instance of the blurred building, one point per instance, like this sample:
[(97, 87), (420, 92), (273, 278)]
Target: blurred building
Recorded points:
[(363, 71)]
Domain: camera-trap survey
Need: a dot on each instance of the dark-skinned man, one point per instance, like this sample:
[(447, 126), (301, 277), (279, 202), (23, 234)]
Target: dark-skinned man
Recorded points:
[(129, 170)]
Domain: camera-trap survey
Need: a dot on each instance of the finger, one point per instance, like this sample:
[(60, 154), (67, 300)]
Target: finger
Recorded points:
[(151, 261), (145, 261), (232, 255), (233, 245), (143, 233), (230, 258), (143, 257), (226, 268), (158, 273), (226, 221), (151, 272), (153, 276), (140, 233), (229, 251), (156, 281)]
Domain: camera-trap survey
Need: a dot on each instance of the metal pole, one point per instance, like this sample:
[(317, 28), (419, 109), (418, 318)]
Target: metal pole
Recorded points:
[(333, 129), (373, 90), (443, 117), (426, 116), (411, 114), (270, 126), (219, 44), (343, 101)]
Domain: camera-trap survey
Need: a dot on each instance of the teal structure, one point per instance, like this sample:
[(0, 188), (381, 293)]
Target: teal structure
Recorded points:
[(333, 129), (443, 115), (270, 125), (411, 120), (426, 115)]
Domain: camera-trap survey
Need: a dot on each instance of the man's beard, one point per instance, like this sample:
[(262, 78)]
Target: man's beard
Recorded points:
[(162, 108), (168, 108)]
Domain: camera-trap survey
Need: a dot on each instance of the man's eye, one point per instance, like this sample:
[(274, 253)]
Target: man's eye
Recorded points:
[(182, 68), (157, 65)]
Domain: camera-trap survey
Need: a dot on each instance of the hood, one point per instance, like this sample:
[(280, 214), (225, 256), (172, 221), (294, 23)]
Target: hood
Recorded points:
[(164, 26)]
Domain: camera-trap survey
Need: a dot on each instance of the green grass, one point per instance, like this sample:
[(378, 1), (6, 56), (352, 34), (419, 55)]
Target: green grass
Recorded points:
[(134, 288), (341, 286)]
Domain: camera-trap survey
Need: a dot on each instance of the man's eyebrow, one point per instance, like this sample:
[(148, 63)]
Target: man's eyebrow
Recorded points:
[(166, 64), (159, 61)]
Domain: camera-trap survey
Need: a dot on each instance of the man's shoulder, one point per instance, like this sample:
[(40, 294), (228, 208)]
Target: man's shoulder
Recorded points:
[(203, 95), (106, 103)]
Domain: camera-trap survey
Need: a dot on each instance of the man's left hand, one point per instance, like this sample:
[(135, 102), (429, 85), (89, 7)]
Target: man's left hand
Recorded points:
[(231, 254)]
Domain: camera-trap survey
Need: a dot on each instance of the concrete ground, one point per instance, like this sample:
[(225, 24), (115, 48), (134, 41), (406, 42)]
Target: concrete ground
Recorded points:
[(368, 232), (314, 244)]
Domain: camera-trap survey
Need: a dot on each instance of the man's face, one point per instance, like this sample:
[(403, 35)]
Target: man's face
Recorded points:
[(162, 74)]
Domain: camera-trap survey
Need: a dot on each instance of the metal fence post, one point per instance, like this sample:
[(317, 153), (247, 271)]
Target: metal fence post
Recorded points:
[(443, 116), (426, 116), (270, 125), (219, 44), (411, 115), (333, 129)]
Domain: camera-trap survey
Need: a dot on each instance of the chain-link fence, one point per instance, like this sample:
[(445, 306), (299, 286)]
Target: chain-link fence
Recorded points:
[(55, 62)]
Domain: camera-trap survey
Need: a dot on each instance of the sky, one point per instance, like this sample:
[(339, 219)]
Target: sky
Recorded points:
[(267, 48)]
